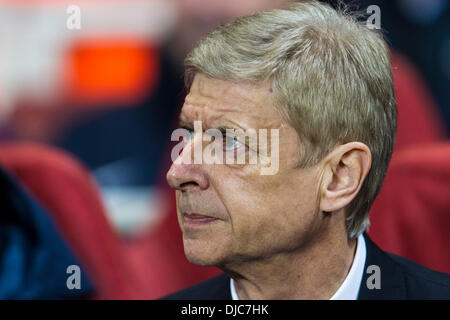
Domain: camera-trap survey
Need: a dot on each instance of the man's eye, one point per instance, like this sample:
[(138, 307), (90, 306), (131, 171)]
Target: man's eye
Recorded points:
[(231, 143)]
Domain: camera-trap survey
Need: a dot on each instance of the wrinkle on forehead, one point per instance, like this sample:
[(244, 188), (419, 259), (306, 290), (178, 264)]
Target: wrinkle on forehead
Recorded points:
[(244, 105)]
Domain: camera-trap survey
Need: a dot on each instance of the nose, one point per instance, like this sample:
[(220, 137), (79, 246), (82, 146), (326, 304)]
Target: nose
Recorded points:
[(186, 175)]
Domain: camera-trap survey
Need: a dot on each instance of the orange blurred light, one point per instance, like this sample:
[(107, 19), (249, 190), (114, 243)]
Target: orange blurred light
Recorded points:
[(108, 70)]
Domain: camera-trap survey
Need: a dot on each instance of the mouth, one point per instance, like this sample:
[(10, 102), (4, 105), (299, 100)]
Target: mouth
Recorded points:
[(196, 219)]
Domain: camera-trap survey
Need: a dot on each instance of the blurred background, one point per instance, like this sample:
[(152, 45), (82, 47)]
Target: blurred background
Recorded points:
[(86, 113)]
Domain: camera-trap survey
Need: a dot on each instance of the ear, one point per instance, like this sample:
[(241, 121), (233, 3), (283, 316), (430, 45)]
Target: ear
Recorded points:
[(345, 169)]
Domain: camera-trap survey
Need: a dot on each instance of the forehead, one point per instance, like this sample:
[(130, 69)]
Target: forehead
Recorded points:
[(217, 102)]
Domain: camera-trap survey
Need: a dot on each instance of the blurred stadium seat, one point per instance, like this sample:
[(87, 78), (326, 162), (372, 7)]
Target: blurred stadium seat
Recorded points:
[(145, 268), (411, 216), (418, 117), (66, 190)]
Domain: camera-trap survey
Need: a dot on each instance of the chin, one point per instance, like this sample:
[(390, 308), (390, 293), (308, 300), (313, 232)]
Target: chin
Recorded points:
[(200, 261), (201, 255)]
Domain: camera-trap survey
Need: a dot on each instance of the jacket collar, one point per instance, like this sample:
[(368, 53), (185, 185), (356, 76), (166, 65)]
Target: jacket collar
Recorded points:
[(392, 282)]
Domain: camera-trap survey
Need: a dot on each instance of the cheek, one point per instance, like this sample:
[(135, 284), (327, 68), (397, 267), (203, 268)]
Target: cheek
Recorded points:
[(270, 213), (177, 199)]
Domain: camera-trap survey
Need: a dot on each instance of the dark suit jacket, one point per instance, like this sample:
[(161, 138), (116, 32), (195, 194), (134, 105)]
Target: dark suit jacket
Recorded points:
[(400, 279)]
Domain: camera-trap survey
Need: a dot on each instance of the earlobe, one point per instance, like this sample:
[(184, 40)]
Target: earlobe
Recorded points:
[(345, 170)]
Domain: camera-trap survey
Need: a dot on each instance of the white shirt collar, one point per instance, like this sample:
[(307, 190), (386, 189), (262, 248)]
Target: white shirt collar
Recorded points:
[(349, 289)]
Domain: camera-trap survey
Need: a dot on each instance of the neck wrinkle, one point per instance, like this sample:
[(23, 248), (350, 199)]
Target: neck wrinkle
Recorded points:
[(316, 273)]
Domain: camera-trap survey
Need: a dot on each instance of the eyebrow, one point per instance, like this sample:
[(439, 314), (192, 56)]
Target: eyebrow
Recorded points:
[(190, 126)]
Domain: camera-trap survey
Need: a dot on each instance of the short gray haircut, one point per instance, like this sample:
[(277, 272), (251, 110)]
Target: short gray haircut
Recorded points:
[(331, 76)]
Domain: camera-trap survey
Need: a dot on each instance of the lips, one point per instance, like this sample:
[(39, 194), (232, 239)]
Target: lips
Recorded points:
[(197, 219)]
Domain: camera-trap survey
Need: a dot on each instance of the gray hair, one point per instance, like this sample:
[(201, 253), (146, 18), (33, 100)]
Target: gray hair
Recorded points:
[(330, 74)]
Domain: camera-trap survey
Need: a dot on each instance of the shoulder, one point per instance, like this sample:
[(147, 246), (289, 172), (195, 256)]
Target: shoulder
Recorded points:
[(421, 282), (400, 278), (216, 288)]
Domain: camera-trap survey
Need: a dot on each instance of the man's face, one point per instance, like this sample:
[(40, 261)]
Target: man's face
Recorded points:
[(231, 213)]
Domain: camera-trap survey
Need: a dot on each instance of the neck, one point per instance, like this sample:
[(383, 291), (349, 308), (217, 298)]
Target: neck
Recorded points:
[(312, 272)]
